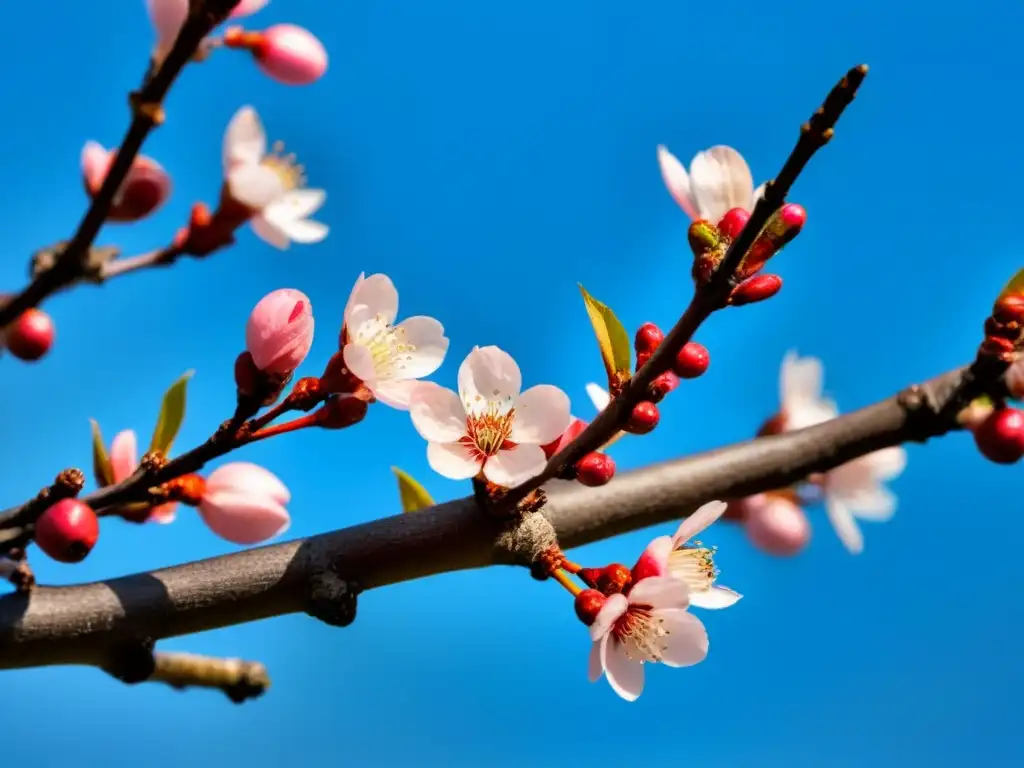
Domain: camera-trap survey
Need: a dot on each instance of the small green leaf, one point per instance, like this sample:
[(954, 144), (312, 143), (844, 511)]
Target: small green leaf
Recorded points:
[(1014, 287), (172, 414), (414, 496), (101, 468), (612, 338)]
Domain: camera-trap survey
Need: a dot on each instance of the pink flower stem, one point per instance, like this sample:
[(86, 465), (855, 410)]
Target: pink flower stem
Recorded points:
[(303, 422)]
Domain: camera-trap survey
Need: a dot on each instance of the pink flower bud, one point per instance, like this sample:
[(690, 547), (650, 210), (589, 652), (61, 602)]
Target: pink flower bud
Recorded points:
[(124, 455), (776, 525), (754, 289), (291, 55), (146, 187), (247, 8), (245, 503), (280, 331)]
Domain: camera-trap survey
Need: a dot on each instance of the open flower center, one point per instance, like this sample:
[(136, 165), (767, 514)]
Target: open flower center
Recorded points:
[(642, 633), (487, 429), (388, 346), (287, 168), (694, 565)]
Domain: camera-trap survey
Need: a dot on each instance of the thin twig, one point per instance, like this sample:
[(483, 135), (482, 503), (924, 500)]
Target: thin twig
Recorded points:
[(239, 680), (161, 257)]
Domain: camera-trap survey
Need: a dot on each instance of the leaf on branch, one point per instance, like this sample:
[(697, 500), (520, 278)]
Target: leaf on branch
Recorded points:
[(101, 468), (172, 414), (414, 496), (1013, 288), (612, 338)]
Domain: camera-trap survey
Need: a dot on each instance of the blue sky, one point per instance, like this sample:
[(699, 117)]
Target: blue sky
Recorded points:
[(487, 157)]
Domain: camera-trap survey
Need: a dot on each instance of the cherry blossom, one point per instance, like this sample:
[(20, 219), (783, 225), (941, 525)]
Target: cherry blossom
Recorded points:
[(145, 188), (388, 358), (279, 332), (775, 524), (692, 563), (124, 461), (719, 180), (490, 425), (271, 185), (651, 624), (168, 16), (800, 392), (244, 503)]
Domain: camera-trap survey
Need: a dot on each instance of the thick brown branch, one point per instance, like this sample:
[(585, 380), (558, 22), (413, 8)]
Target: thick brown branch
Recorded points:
[(81, 624)]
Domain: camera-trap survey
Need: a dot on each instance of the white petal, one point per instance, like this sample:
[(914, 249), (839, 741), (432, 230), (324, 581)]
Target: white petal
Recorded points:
[(625, 675), (247, 8), (352, 295), (359, 360), (437, 413), (845, 525), (758, 194), (245, 141), (429, 346), (542, 415), (715, 597), (452, 460), (888, 463), (700, 520), (168, 16), (676, 181), (94, 159), (610, 612), (394, 394), (254, 186), (719, 181), (599, 396), (299, 203), (488, 374), (302, 231), (660, 593), (268, 233), (686, 641), (372, 296), (594, 670), (800, 379), (516, 466)]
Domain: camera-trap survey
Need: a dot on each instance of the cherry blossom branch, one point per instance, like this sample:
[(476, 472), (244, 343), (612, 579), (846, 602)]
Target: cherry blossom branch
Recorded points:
[(239, 680), (92, 623), (161, 257), (709, 297), (147, 114)]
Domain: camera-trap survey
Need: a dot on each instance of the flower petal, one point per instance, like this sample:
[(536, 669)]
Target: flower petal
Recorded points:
[(715, 597), (687, 642), (758, 194), (359, 360), (168, 17), (719, 181), (123, 455), (298, 204), (488, 374), (625, 675), (437, 413), (653, 561), (700, 520), (243, 517), (542, 415), (163, 514), (247, 8), (452, 460), (244, 476), (599, 396), (95, 164), (372, 296), (302, 231), (394, 394), (510, 468), (888, 463), (269, 233), (845, 525), (254, 186), (677, 181), (610, 612), (594, 670), (660, 593), (429, 346), (245, 141)]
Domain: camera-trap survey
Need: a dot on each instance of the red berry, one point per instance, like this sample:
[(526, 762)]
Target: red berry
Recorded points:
[(693, 359), (648, 337), (662, 385), (1000, 437), (589, 603), (733, 222), (30, 336), (643, 419), (68, 531), (754, 289), (595, 469)]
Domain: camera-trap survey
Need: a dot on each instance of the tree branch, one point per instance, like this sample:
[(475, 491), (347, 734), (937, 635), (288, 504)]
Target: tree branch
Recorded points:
[(86, 624), (239, 680)]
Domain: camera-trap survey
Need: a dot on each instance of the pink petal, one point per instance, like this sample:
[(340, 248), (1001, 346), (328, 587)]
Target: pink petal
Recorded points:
[(394, 394), (353, 294), (660, 593), (279, 333), (163, 514), (95, 164), (489, 375), (845, 525), (542, 415), (653, 560), (594, 670), (714, 598), (123, 455), (245, 477), (612, 610), (167, 17), (359, 360), (625, 675), (437, 413), (775, 525), (686, 643), (510, 468), (699, 521), (677, 181), (247, 8), (453, 460), (291, 55), (243, 517)]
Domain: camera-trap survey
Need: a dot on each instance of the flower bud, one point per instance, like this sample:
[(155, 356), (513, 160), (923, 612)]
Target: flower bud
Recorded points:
[(663, 384), (291, 55), (692, 361), (1009, 309), (145, 188), (30, 336), (775, 525), (733, 222), (643, 419), (754, 289), (785, 224), (244, 503), (342, 411), (588, 604), (67, 531), (595, 469), (279, 333), (703, 236), (614, 578), (648, 338), (576, 427), (1000, 437)]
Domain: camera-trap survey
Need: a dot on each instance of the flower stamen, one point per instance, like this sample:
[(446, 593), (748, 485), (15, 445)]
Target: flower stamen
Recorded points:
[(388, 346), (694, 565), (287, 168), (641, 633)]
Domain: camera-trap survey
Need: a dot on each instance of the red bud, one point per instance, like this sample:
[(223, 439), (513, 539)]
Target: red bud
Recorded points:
[(754, 289)]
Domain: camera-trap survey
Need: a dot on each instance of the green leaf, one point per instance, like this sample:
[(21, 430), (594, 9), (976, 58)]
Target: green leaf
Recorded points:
[(414, 496), (1014, 287), (101, 468), (612, 338), (172, 414)]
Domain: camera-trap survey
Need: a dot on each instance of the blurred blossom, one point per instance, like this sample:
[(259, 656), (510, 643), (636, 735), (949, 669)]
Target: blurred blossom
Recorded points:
[(719, 180), (245, 504), (279, 332), (145, 188)]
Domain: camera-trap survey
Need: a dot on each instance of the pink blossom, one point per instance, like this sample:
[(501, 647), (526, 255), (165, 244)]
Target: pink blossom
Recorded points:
[(146, 187), (279, 333), (775, 525), (691, 563), (124, 461), (719, 180), (650, 625), (291, 55), (244, 503), (247, 8), (490, 425)]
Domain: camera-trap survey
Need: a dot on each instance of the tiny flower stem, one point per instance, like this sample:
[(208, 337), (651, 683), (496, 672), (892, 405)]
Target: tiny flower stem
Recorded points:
[(566, 581), (309, 420), (274, 413), (570, 566)]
